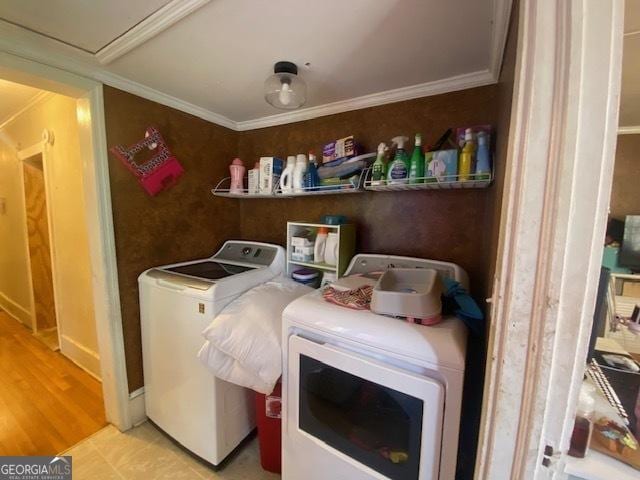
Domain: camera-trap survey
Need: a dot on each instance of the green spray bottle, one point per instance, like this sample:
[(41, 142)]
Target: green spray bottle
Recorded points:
[(379, 167), (416, 164), (398, 171)]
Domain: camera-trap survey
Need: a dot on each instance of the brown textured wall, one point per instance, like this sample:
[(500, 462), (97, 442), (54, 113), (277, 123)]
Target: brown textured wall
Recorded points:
[(186, 222), (179, 224), (625, 194), (445, 225)]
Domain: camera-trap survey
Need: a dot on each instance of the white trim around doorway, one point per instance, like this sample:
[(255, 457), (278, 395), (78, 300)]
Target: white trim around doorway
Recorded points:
[(99, 220), (559, 171)]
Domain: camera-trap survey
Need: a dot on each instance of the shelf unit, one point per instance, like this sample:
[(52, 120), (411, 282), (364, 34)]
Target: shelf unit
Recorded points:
[(222, 189), (346, 246), (452, 182), (317, 266), (364, 183)]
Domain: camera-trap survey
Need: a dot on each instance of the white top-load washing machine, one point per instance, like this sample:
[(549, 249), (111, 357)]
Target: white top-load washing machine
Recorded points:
[(367, 396), (208, 416)]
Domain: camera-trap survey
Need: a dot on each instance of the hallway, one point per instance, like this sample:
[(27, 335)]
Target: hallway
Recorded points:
[(47, 403)]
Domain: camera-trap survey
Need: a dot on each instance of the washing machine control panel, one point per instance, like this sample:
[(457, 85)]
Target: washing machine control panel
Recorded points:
[(237, 251)]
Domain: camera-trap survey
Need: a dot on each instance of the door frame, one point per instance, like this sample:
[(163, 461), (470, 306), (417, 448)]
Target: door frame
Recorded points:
[(97, 195), (559, 172), (24, 155)]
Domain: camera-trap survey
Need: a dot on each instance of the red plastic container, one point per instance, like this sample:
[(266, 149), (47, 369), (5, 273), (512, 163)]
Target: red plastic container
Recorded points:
[(269, 420)]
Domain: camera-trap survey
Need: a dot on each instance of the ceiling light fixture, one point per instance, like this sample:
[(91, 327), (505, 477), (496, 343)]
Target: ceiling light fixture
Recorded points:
[(284, 89)]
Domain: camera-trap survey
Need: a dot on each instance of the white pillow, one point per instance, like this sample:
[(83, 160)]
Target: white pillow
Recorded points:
[(244, 341)]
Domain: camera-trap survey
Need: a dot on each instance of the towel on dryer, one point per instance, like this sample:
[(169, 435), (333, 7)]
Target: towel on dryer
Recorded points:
[(243, 343)]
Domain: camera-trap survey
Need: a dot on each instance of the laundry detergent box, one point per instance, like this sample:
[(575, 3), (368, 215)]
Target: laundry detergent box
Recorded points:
[(443, 165), (253, 181), (302, 254), (342, 148), (270, 171)]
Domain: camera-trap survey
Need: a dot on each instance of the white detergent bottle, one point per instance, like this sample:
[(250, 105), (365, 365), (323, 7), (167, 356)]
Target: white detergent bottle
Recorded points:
[(321, 242), (286, 180), (299, 172)]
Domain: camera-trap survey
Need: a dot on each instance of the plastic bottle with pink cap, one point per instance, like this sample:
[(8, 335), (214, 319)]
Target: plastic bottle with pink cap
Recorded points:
[(237, 170)]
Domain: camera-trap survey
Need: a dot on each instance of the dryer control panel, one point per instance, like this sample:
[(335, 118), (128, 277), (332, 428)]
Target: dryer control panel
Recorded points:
[(367, 263)]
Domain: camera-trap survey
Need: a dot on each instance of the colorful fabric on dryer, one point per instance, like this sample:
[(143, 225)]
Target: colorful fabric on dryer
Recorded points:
[(357, 299)]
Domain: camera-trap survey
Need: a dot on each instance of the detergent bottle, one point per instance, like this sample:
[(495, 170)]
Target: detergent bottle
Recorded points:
[(483, 163), (286, 180), (466, 157), (311, 179), (398, 172), (379, 167), (299, 172), (416, 168), (237, 170)]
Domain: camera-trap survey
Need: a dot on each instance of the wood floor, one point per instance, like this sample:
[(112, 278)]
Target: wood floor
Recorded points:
[(47, 403)]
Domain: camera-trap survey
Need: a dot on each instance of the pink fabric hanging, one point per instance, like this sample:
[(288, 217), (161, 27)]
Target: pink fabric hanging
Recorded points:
[(160, 172)]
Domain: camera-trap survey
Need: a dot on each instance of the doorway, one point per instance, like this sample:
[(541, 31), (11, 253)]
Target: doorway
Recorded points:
[(45, 325), (89, 107), (50, 376)]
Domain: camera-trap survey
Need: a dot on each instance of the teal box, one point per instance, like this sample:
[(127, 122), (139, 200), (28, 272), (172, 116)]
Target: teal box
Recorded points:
[(610, 260), (444, 165)]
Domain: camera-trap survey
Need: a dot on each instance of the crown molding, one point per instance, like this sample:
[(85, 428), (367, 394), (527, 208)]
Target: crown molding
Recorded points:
[(451, 84), (629, 130), (148, 28), (157, 96)]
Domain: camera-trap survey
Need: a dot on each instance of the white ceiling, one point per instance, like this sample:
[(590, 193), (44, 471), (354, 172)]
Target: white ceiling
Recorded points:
[(219, 57), (213, 61), (86, 24), (13, 98), (630, 95)]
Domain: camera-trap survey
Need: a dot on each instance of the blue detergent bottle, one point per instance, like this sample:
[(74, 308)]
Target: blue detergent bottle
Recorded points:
[(311, 179), (483, 162)]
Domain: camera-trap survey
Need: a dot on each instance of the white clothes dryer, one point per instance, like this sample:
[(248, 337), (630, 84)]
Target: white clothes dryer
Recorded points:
[(367, 396)]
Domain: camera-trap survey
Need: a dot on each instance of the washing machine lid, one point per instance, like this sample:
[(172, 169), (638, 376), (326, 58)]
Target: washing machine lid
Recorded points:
[(209, 270), (443, 344), (252, 260)]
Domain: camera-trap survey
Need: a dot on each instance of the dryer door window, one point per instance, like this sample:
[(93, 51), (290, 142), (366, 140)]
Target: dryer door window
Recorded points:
[(373, 424), (387, 419)]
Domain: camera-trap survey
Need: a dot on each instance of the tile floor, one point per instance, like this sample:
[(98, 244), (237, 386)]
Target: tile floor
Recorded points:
[(146, 453)]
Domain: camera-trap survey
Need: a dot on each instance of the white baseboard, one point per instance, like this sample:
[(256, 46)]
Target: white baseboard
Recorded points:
[(82, 356), (137, 411), (20, 313)]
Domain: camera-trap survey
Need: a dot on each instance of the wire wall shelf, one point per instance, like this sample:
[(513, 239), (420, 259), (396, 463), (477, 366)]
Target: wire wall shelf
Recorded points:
[(361, 183)]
